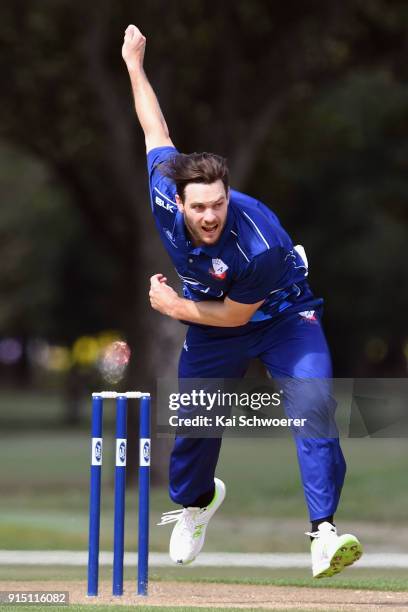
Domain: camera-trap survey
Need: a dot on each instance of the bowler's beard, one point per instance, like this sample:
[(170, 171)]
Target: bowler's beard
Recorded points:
[(196, 238)]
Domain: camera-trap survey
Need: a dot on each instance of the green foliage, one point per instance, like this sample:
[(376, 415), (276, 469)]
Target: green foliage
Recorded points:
[(308, 102), (32, 209), (51, 270), (340, 166)]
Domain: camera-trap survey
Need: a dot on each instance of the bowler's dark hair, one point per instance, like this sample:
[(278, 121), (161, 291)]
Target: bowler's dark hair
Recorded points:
[(195, 168)]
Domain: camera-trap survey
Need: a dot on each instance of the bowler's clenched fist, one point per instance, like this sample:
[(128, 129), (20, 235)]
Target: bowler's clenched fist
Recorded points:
[(162, 297), (133, 47)]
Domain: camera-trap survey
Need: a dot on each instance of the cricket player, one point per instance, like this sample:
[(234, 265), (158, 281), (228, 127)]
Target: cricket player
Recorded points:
[(245, 295)]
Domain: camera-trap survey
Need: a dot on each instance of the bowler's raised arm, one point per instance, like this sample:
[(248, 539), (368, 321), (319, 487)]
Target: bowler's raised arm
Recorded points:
[(146, 104)]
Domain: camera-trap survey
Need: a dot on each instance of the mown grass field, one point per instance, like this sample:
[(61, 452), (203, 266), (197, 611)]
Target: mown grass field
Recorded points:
[(112, 608), (353, 578), (44, 500), (44, 492)]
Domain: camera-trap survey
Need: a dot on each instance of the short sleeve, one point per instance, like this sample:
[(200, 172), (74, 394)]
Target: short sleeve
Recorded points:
[(162, 189), (263, 275)]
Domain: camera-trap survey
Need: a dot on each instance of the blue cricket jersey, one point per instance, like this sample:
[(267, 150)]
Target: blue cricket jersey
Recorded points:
[(253, 260)]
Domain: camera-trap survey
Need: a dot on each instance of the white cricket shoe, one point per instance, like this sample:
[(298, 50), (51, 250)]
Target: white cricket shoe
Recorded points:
[(188, 534), (332, 553)]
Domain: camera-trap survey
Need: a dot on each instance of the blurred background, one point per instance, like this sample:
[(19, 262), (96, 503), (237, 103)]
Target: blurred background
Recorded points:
[(309, 103)]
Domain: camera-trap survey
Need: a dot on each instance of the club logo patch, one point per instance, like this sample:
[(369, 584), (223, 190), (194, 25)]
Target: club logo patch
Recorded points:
[(219, 269), (98, 452), (96, 455), (308, 315), (144, 452), (169, 236), (121, 451)]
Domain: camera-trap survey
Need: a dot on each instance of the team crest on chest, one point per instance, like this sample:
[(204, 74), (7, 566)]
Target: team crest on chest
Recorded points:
[(219, 269), (309, 315)]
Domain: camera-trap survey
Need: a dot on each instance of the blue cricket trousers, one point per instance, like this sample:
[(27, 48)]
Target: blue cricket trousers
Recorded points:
[(292, 348)]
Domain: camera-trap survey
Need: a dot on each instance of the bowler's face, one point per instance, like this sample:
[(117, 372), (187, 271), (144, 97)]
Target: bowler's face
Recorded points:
[(205, 210)]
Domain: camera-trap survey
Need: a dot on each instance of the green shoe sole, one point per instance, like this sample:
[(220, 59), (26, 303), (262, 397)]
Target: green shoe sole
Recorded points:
[(348, 551)]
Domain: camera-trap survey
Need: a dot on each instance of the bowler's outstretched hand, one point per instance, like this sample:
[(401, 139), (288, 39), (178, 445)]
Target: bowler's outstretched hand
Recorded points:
[(133, 48)]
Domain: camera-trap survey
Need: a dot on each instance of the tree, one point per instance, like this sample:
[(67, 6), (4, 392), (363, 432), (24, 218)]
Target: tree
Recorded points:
[(230, 79)]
